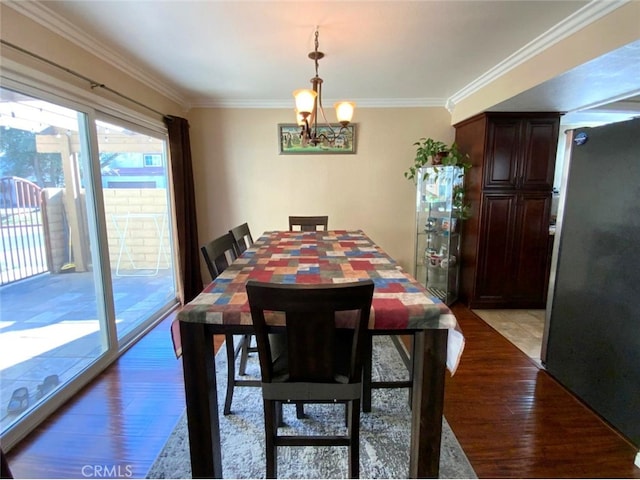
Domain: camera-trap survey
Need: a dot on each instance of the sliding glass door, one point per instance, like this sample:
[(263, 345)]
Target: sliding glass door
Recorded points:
[(86, 257), (133, 166)]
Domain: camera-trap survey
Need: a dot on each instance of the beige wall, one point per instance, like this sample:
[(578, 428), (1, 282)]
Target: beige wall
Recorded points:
[(239, 175)]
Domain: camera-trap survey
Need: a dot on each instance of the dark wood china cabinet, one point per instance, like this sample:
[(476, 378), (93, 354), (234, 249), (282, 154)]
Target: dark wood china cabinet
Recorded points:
[(505, 243)]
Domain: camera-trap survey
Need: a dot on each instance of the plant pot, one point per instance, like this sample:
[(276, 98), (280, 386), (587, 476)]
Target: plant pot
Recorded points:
[(437, 158)]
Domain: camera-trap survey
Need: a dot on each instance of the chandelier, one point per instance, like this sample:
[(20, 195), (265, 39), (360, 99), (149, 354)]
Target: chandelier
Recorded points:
[(309, 108)]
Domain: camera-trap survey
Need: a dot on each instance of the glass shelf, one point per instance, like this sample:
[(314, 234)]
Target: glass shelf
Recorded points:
[(437, 256)]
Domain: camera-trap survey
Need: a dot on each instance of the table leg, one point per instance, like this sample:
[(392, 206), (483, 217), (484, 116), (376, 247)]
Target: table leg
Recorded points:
[(367, 360), (429, 369), (202, 402)]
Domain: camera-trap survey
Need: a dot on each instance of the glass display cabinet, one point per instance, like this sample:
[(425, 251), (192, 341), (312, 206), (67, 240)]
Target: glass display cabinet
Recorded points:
[(437, 231)]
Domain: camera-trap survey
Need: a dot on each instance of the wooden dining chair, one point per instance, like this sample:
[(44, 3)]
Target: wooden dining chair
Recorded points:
[(242, 237), (242, 240), (308, 224), (218, 255), (317, 365)]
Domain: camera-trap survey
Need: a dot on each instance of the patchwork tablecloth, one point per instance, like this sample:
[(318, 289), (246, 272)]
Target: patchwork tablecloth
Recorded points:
[(399, 301)]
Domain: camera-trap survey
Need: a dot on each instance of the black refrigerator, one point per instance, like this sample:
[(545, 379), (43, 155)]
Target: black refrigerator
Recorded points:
[(592, 332)]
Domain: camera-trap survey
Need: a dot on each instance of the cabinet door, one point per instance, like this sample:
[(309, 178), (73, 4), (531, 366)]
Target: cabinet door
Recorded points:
[(493, 277), (530, 251), (538, 158), (501, 165)]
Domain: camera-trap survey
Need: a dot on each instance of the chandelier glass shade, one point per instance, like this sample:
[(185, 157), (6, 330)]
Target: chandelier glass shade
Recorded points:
[(308, 102), (344, 112), (305, 101)]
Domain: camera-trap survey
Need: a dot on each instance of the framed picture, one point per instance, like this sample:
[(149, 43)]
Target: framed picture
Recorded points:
[(334, 139)]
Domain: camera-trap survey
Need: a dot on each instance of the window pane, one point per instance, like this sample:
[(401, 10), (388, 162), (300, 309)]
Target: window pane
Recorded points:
[(52, 321), (134, 181)]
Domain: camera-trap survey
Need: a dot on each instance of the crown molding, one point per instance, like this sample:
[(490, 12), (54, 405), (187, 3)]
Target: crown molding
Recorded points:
[(287, 103), (614, 104), (588, 14), (60, 26), (52, 21), (42, 15)]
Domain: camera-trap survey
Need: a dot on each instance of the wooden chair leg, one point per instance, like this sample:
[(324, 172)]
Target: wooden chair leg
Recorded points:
[(346, 414), (279, 414), (354, 439), (271, 430), (231, 372), (244, 354), (367, 353)]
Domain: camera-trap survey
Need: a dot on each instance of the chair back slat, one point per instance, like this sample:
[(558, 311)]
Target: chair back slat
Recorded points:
[(308, 224), (311, 341), (242, 238), (218, 254)]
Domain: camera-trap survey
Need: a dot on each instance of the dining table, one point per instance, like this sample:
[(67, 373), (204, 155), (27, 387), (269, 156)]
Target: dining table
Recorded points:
[(401, 306)]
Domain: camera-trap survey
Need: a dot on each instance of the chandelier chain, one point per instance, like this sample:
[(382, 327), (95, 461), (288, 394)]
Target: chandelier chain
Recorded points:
[(310, 110), (315, 57)]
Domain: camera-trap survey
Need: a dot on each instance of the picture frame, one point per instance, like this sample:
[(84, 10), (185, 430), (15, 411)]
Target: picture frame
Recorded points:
[(290, 142)]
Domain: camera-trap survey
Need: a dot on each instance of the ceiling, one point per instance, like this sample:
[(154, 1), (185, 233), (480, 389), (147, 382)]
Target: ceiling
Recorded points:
[(377, 53)]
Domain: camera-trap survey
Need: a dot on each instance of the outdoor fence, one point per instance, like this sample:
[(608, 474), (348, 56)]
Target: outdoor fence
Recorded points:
[(22, 243), (36, 233)]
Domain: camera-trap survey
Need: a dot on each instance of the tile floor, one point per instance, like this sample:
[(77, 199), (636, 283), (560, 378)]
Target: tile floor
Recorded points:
[(523, 328)]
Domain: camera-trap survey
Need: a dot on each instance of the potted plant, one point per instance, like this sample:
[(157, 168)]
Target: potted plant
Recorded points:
[(434, 153), (461, 208)]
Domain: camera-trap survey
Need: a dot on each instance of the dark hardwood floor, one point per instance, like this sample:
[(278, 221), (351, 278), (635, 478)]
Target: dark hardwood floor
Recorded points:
[(515, 421), (512, 419), (118, 423)]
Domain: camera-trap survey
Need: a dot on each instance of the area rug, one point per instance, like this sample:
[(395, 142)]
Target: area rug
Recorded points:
[(384, 433)]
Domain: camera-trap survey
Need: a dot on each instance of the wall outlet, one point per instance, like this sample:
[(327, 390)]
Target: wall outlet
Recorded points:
[(637, 462)]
